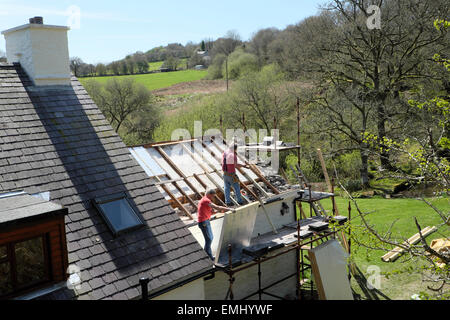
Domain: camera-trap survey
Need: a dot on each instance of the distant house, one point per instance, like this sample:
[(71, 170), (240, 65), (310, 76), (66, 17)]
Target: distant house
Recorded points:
[(79, 218), (205, 56)]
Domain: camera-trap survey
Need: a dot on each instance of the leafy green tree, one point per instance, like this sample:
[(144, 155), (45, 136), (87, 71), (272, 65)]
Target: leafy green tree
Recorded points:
[(100, 69), (241, 63), (171, 63), (216, 67)]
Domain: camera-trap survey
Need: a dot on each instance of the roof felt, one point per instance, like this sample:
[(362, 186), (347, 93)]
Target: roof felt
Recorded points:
[(57, 140)]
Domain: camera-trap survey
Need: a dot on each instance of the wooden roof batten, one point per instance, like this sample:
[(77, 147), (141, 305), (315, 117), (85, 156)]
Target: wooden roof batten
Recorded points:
[(207, 169)]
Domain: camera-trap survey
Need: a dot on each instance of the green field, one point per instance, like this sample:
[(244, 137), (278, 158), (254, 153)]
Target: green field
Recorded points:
[(382, 213), (153, 66), (155, 81)]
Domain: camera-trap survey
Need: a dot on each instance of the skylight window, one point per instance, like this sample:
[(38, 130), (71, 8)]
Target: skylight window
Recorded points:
[(118, 213)]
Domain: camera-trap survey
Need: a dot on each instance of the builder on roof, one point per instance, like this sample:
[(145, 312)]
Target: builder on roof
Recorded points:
[(205, 207), (230, 178)]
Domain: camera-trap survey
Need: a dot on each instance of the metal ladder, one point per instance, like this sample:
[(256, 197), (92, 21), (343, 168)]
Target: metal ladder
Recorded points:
[(316, 205)]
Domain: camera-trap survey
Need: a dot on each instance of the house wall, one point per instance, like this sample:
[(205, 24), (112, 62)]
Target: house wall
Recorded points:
[(191, 291), (246, 281)]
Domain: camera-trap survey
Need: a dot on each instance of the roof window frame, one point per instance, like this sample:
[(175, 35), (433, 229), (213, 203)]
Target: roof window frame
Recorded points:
[(99, 201)]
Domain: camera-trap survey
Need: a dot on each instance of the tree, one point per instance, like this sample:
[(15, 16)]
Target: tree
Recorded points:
[(215, 69), (260, 44), (131, 65), (100, 69), (2, 56), (203, 46), (171, 63), (385, 63), (430, 152), (75, 64), (142, 125), (241, 63), (262, 96), (114, 67), (123, 65), (141, 62), (195, 59), (119, 99), (346, 114), (226, 46)]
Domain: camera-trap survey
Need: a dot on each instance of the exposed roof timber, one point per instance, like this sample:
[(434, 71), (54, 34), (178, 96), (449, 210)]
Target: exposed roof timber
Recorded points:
[(180, 205), (177, 170), (253, 168), (206, 171), (166, 190), (194, 168), (268, 148), (164, 143), (245, 175)]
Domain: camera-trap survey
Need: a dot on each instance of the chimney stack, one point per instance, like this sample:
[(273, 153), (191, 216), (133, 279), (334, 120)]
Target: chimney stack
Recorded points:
[(42, 51), (37, 20)]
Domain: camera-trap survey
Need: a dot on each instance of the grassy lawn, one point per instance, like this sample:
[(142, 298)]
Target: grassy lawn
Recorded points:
[(155, 81), (383, 212)]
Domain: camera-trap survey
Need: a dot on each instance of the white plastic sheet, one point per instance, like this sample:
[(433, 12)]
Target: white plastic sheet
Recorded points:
[(236, 231), (329, 265)]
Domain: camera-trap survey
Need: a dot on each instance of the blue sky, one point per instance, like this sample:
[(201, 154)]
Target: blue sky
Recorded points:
[(109, 30)]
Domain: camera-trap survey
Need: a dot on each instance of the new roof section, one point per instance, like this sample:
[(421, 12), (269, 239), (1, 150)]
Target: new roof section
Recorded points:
[(56, 140)]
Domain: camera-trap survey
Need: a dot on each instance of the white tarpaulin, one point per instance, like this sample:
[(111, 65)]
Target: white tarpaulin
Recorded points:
[(237, 229), (329, 266)]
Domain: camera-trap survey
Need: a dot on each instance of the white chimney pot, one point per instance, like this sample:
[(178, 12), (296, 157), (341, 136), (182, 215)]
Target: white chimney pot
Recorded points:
[(42, 51)]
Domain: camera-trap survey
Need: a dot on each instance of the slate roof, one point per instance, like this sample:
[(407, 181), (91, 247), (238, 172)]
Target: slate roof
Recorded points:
[(57, 140)]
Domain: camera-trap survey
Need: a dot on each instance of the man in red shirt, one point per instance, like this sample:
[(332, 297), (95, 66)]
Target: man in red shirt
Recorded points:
[(230, 178), (205, 207)]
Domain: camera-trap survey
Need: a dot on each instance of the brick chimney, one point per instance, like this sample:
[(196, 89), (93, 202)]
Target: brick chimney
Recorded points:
[(42, 51)]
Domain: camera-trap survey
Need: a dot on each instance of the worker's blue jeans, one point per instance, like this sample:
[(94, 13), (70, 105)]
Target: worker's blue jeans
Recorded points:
[(205, 226), (228, 184)]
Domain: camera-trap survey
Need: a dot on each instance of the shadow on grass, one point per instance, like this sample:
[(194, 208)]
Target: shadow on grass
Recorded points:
[(369, 293)]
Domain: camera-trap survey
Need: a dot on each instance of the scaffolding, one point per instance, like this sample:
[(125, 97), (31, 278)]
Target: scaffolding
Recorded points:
[(301, 246)]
